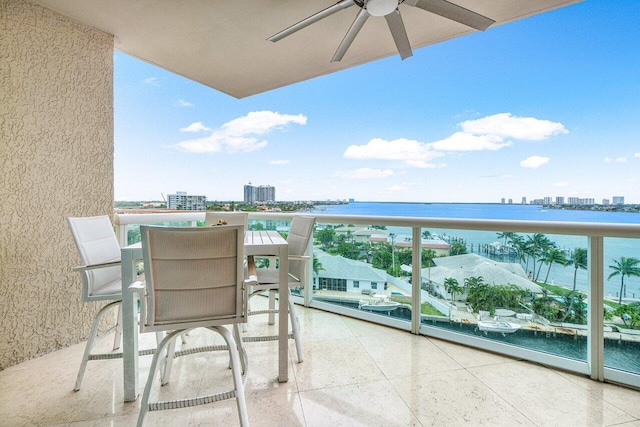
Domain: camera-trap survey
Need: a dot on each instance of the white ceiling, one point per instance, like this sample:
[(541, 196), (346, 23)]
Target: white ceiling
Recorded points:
[(222, 43)]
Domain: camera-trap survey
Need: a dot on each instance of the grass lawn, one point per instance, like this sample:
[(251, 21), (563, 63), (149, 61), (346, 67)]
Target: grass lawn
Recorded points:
[(561, 290), (424, 309)]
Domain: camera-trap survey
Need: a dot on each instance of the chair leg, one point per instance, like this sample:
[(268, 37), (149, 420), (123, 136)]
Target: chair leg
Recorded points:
[(144, 403), (244, 360), (272, 306), (91, 341), (118, 335), (235, 370), (165, 375), (295, 325)]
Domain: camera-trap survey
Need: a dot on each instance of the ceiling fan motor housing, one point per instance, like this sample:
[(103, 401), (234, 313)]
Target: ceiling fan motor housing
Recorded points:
[(381, 7)]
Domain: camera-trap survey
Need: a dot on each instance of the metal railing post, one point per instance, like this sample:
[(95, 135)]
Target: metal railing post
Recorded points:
[(595, 322), (416, 279)]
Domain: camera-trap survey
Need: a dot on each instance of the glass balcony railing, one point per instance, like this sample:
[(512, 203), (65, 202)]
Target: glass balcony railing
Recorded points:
[(562, 294)]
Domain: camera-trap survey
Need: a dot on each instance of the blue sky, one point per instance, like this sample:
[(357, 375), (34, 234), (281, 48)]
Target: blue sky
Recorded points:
[(545, 106)]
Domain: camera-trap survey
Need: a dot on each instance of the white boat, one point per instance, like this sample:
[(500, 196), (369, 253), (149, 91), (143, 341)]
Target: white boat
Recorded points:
[(498, 326), (378, 302)]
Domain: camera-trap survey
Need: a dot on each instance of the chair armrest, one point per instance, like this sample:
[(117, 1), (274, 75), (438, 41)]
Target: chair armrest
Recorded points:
[(96, 266), (251, 266), (138, 287), (299, 257)]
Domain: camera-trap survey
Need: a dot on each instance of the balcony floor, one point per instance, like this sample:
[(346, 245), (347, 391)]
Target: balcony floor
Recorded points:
[(354, 373)]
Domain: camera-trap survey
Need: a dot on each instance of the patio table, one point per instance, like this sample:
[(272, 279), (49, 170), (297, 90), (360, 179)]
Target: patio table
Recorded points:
[(257, 243)]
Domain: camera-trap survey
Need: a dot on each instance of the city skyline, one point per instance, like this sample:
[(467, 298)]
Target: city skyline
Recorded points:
[(544, 105)]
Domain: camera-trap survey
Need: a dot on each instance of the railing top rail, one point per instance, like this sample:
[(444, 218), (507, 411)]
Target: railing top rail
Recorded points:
[(548, 227)]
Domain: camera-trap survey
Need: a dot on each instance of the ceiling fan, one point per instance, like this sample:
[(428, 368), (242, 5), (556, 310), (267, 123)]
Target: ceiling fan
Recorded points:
[(388, 9)]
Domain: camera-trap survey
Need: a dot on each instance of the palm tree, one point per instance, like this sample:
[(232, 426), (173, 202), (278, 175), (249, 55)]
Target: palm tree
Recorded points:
[(506, 236), (625, 266), (578, 260), (452, 286), (317, 265), (553, 255), (536, 246), (426, 234)]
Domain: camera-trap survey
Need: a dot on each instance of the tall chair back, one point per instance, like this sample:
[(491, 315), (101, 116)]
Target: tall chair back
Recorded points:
[(97, 243), (298, 238), (194, 277), (227, 218)]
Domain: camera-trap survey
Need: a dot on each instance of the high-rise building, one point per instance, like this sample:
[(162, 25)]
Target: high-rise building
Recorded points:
[(546, 200), (260, 194), (182, 201), (605, 202), (559, 200), (618, 200), (502, 200)]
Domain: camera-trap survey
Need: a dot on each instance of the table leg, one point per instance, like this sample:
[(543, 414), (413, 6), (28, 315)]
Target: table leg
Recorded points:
[(129, 329), (283, 316)]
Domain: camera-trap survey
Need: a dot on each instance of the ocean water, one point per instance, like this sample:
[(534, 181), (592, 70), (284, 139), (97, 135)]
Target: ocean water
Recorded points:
[(614, 248)]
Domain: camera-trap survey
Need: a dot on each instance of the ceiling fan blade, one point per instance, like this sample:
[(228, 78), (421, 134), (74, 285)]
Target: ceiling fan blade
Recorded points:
[(361, 18), (343, 4), (453, 12), (394, 20)]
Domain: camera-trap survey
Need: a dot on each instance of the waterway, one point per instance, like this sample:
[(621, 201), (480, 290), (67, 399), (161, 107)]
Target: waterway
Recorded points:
[(614, 248)]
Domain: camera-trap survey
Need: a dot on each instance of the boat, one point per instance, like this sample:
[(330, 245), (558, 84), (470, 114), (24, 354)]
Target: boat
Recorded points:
[(497, 326), (378, 302)]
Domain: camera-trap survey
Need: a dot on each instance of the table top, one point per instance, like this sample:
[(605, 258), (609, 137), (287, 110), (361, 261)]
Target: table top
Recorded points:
[(264, 237), (254, 241)]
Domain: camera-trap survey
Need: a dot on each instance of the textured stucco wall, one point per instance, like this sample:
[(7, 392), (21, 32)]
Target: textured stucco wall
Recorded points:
[(56, 160)]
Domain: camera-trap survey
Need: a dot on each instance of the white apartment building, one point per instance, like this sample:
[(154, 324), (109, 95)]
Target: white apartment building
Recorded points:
[(181, 200), (259, 194)]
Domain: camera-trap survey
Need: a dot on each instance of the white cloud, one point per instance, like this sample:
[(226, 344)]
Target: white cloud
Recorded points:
[(462, 141), (636, 155), (560, 184), (363, 173), (279, 162), (607, 160), (488, 133), (183, 103), (414, 153), (534, 162), (621, 160), (195, 127), (238, 135), (153, 81), (505, 125)]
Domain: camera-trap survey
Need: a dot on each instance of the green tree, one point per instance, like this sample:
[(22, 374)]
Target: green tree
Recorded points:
[(347, 250), (579, 261), (317, 265), (452, 286), (326, 237), (537, 244), (624, 267), (381, 256), (630, 314), (426, 234), (457, 248), (553, 256)]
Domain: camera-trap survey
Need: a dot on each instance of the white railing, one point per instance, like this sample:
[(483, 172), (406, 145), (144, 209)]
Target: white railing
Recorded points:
[(595, 233)]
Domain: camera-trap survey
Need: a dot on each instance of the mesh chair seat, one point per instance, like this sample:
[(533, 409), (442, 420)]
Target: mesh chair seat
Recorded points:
[(194, 278)]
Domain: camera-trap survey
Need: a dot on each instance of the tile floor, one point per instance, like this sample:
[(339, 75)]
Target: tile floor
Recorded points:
[(354, 374)]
